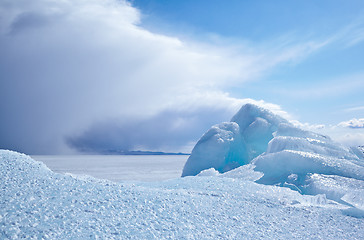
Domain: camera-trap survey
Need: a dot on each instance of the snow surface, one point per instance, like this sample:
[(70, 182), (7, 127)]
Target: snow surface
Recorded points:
[(38, 203), (258, 177), (144, 168)]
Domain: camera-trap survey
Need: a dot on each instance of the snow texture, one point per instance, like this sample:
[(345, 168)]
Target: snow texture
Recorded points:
[(142, 168), (36, 203)]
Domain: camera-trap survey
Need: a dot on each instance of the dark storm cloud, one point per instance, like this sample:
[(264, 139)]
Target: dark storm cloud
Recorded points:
[(168, 130), (67, 65), (29, 20)]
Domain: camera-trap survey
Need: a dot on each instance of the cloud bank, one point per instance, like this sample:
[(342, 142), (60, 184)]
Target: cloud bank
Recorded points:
[(172, 130), (84, 76), (353, 123)]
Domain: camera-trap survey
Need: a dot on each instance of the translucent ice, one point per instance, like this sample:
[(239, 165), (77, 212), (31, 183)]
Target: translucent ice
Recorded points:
[(275, 146), (222, 148), (285, 155), (229, 145)]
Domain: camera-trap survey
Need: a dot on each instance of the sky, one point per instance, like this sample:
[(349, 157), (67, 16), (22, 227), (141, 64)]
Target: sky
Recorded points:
[(91, 76)]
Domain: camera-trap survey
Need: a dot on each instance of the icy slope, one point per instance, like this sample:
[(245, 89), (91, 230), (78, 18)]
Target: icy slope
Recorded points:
[(36, 203)]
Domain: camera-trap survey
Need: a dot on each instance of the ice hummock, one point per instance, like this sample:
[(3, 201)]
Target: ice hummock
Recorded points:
[(286, 155), (221, 147), (256, 134), (232, 144)]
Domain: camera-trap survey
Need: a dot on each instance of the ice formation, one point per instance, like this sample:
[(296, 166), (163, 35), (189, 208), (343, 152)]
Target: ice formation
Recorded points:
[(286, 155), (255, 135), (231, 144)]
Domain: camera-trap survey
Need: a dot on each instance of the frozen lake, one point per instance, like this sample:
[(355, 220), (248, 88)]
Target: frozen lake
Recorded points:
[(144, 168)]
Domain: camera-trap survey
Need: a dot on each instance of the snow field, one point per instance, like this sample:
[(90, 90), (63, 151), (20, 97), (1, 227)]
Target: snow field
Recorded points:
[(37, 203)]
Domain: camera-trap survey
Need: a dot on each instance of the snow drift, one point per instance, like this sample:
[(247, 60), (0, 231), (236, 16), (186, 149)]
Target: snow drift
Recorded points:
[(36, 203)]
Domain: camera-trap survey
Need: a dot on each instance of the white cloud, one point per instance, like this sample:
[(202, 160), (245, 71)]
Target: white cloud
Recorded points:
[(308, 126), (352, 34), (67, 65), (343, 132), (349, 133), (357, 37), (327, 87), (347, 137), (354, 109), (353, 123)]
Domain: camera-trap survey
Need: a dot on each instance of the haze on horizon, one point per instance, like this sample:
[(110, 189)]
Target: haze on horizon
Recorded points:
[(91, 75)]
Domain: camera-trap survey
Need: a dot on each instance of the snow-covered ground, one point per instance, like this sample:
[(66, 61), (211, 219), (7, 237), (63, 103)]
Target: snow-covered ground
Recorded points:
[(38, 203), (117, 168), (256, 177)]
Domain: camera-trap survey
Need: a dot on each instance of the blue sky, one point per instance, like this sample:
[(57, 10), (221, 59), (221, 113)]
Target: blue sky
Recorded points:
[(98, 75), (265, 24), (254, 20)]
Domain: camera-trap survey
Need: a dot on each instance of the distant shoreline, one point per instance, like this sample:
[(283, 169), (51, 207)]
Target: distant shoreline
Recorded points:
[(145, 153), (115, 154), (136, 153)]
